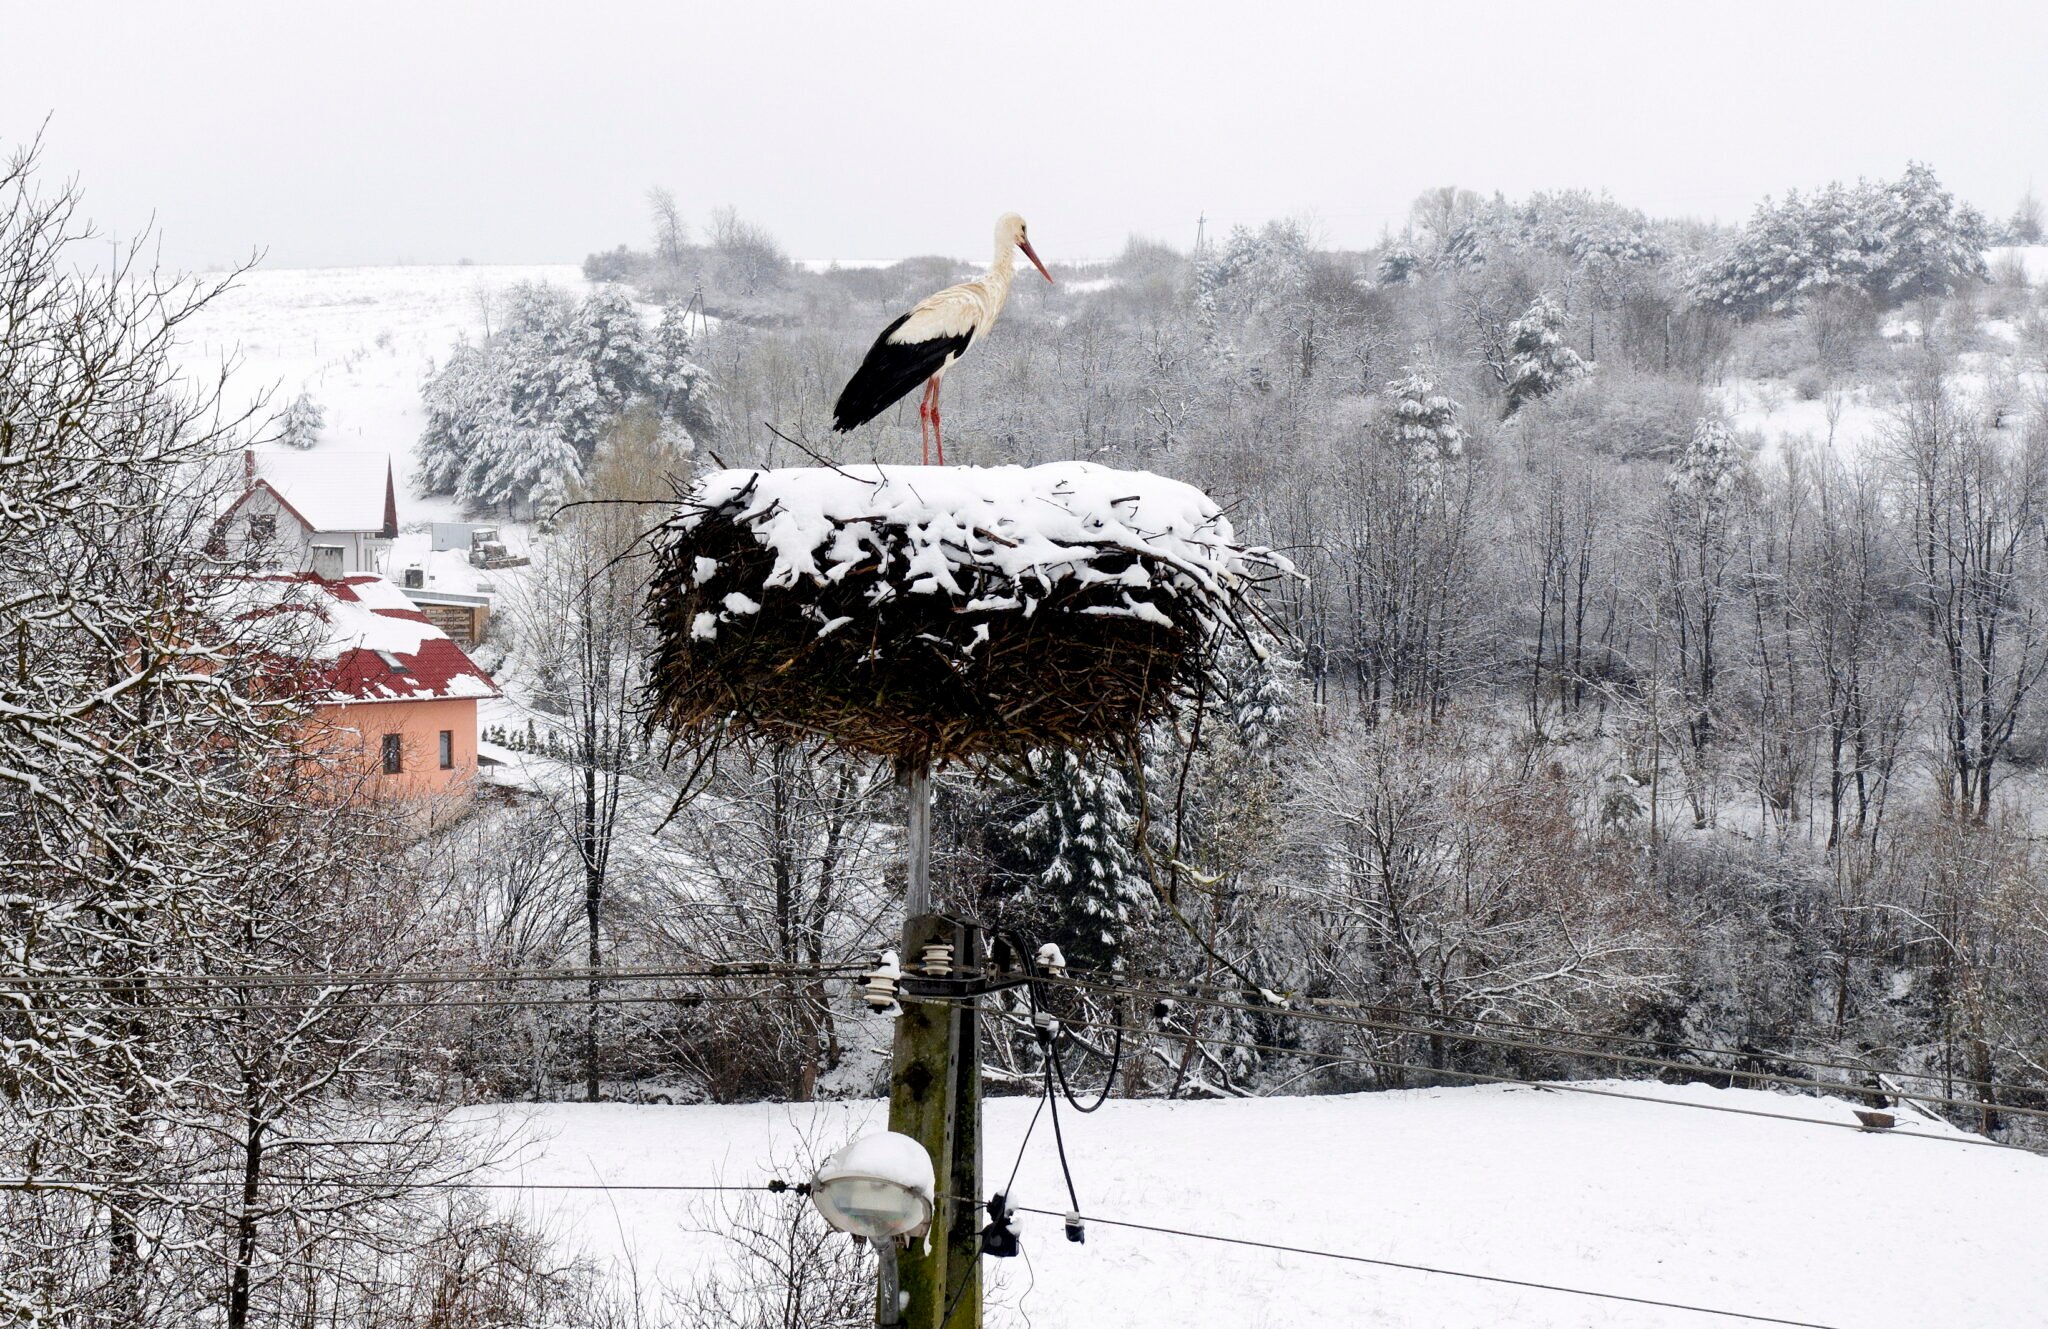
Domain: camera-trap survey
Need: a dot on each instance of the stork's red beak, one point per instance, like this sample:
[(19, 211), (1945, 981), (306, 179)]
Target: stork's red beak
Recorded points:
[(1032, 254)]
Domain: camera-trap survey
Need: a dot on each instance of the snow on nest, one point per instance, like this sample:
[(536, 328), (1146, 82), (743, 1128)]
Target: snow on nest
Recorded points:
[(1041, 524)]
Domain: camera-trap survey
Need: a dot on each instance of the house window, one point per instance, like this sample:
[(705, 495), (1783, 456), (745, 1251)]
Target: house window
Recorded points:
[(394, 754), (263, 526), (327, 562), (447, 749)]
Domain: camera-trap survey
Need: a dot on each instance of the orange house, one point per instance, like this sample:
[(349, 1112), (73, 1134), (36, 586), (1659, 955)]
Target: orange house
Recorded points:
[(397, 701)]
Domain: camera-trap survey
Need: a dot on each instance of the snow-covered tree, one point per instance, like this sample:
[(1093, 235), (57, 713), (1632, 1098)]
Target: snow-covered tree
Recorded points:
[(1697, 532), (1895, 241), (1931, 245), (302, 422), (1073, 846), (1425, 419), (2024, 227), (678, 386), (516, 420), (169, 805), (1539, 361), (1399, 266)]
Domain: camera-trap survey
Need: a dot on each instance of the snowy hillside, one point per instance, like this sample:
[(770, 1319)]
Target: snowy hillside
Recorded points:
[(1851, 422), (1769, 1217), (359, 340)]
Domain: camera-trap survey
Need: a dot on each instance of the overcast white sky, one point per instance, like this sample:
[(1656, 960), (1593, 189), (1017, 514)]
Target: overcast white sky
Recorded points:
[(372, 132)]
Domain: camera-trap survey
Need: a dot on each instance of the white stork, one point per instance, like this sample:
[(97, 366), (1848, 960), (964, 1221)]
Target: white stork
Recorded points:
[(925, 342)]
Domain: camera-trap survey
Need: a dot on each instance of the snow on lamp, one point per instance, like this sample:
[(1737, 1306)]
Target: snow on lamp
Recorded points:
[(879, 1186)]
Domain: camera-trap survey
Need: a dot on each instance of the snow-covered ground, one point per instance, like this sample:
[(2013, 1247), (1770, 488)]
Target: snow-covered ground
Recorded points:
[(360, 340), (1776, 1218), (1852, 420)]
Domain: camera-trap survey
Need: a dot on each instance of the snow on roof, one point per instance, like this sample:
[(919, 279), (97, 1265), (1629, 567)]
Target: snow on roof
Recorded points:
[(332, 490), (1045, 522), (374, 644)]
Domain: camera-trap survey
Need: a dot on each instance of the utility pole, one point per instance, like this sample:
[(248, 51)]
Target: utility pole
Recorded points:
[(935, 1098)]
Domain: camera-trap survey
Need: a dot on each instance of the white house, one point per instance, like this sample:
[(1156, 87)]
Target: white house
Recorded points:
[(330, 513)]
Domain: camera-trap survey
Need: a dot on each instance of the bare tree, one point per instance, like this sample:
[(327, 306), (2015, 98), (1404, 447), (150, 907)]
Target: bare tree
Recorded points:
[(582, 634), (787, 866), (1975, 499)]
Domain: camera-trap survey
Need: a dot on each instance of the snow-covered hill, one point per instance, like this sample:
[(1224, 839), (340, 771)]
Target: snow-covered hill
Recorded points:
[(1853, 422), (360, 340), (1776, 1218)]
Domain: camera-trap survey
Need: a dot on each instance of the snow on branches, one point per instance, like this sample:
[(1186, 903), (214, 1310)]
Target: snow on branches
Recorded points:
[(513, 422), (1893, 240), (1539, 361)]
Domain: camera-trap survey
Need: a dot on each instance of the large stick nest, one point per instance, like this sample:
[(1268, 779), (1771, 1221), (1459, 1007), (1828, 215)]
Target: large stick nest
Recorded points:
[(995, 612)]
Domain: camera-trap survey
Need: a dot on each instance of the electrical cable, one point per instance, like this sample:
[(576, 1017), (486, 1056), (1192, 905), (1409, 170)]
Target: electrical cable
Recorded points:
[(1183, 991), (1060, 1142), (688, 999), (168, 982), (1385, 1027), (1029, 1127), (776, 1186), (1179, 986), (1447, 1273), (1116, 1054), (1046, 1037), (1569, 1087)]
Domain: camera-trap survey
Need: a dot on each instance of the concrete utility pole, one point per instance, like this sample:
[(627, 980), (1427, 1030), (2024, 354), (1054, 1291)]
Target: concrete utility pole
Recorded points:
[(935, 1098)]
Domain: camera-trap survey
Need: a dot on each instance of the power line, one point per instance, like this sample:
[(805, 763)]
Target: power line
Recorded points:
[(1438, 1270), (1569, 1087), (1173, 989), (1180, 985), (1488, 1040), (684, 999), (348, 1183), (736, 969)]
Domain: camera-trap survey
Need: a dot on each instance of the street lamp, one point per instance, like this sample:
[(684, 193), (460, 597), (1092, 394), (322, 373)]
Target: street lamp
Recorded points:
[(880, 1187), (877, 1187)]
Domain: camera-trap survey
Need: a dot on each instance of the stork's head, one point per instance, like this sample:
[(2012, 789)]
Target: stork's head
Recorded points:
[(1010, 233)]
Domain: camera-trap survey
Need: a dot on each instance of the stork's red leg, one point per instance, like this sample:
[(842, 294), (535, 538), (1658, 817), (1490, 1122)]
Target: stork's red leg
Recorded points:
[(924, 426), (938, 434)]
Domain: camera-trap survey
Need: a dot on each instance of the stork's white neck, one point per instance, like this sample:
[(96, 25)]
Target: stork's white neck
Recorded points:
[(1001, 270)]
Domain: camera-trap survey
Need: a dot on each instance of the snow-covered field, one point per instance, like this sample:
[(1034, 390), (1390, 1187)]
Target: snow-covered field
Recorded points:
[(1775, 1218), (360, 340)]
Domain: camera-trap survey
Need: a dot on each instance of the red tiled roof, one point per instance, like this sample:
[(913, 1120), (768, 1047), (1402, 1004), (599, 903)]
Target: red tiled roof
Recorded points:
[(378, 647)]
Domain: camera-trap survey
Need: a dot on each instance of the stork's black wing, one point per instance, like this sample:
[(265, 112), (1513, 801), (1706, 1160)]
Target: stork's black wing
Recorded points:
[(891, 370)]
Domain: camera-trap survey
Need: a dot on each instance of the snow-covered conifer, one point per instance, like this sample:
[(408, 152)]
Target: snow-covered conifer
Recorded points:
[(515, 421), (1539, 361), (1931, 246), (302, 422), (676, 383), (1426, 419), (1399, 266), (1075, 844)]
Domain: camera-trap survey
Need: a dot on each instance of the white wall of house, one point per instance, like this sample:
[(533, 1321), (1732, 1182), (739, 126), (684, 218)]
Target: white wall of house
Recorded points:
[(292, 546)]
